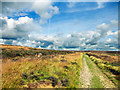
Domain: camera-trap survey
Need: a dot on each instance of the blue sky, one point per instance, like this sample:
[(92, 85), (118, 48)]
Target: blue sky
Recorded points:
[(77, 21), (61, 25)]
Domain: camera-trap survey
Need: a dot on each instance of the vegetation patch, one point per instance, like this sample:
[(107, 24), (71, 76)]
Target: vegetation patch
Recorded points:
[(25, 70), (110, 70), (54, 80)]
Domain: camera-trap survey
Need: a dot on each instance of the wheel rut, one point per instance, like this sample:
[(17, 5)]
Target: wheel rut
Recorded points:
[(85, 75)]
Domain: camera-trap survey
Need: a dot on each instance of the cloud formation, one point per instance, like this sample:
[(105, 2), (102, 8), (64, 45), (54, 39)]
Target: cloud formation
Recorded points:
[(21, 31), (44, 9), (13, 29), (91, 40), (72, 5)]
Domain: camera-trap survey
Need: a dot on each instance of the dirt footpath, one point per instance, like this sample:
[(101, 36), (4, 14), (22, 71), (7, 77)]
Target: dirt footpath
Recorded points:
[(92, 77), (85, 75)]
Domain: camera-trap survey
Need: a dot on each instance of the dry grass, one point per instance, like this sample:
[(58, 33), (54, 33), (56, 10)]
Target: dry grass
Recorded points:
[(55, 67), (10, 47), (106, 57)]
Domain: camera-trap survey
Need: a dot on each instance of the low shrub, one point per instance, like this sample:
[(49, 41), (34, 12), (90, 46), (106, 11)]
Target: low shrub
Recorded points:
[(32, 72), (66, 67), (63, 60), (62, 56), (64, 82), (106, 65), (74, 63), (24, 75), (15, 59), (22, 82), (54, 80)]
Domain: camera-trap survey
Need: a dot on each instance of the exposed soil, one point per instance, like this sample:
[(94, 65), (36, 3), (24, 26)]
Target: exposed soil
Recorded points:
[(85, 75)]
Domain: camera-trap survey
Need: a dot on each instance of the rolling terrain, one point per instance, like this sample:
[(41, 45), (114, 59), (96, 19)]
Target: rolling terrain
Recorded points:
[(25, 67)]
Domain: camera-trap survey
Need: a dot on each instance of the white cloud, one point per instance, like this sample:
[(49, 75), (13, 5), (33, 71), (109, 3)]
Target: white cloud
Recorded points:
[(73, 4), (13, 29), (2, 41), (112, 33), (100, 5), (9, 7), (91, 40), (114, 23), (109, 40), (44, 8)]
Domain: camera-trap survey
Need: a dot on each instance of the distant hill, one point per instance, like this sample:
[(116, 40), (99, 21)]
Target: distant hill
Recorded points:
[(9, 51), (13, 51)]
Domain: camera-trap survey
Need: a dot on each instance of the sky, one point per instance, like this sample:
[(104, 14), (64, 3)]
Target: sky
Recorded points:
[(60, 25)]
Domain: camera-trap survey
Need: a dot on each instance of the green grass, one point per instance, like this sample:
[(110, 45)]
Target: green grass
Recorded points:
[(95, 81)]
